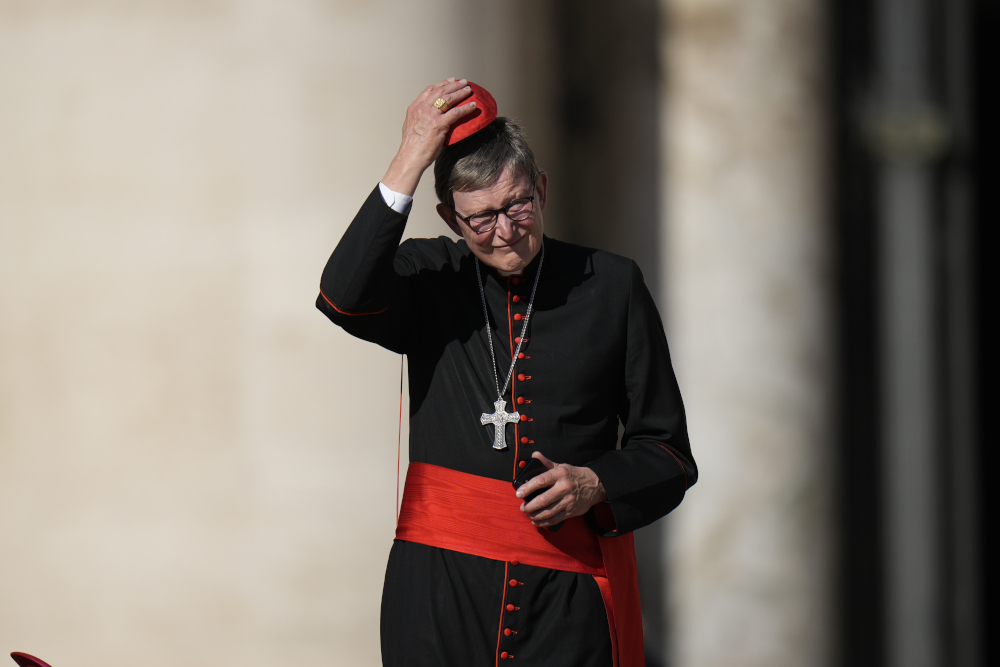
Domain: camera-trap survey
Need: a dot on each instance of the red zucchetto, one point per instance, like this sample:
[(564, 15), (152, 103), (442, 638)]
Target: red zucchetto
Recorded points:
[(485, 113)]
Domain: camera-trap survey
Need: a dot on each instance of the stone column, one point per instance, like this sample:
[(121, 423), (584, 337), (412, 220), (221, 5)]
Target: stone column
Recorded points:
[(909, 136), (746, 258)]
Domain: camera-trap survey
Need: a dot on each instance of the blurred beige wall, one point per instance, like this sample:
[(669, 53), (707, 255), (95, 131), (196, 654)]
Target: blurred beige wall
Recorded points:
[(196, 467)]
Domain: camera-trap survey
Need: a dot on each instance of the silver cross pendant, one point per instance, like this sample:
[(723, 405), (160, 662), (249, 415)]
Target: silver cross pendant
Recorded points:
[(499, 419)]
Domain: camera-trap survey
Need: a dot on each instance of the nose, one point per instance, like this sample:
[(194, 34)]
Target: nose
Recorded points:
[(505, 226)]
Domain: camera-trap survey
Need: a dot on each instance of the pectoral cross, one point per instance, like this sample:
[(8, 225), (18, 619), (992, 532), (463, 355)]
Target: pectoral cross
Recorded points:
[(499, 419)]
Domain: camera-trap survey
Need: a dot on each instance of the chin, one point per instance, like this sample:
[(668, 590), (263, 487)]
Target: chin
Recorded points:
[(503, 262), (510, 260)]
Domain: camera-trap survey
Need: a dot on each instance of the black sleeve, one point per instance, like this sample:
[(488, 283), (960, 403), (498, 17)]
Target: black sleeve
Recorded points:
[(649, 475), (368, 279)]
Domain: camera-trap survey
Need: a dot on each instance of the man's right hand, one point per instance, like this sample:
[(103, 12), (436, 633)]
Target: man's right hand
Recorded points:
[(424, 132)]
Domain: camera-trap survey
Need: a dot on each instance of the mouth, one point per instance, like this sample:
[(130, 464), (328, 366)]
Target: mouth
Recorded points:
[(510, 245)]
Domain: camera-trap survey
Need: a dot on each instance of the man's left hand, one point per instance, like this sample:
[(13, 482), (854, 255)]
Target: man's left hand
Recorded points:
[(573, 490)]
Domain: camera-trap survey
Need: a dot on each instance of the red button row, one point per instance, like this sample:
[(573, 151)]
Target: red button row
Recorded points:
[(520, 401), (504, 655)]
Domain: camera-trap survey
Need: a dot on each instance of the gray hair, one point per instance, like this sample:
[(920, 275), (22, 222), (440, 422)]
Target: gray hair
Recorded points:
[(476, 161)]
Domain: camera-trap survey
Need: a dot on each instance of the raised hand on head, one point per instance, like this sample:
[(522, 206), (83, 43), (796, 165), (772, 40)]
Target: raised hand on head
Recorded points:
[(425, 131)]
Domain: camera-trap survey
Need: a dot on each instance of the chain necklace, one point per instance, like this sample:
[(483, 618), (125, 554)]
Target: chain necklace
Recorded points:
[(500, 417)]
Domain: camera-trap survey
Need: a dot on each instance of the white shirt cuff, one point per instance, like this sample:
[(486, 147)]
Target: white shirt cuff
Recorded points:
[(397, 201)]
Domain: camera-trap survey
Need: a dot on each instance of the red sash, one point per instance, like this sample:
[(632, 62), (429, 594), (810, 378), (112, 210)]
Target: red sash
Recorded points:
[(476, 515)]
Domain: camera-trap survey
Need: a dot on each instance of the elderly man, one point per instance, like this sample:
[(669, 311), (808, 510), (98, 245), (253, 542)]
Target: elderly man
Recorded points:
[(520, 347)]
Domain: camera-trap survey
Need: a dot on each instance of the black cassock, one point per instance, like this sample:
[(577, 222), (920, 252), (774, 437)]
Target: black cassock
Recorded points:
[(595, 353)]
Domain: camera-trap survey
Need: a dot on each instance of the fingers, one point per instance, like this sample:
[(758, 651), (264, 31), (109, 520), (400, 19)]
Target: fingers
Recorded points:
[(561, 489), (454, 100), (554, 513), (541, 457), (452, 91), (547, 478), (571, 492), (560, 494), (551, 521), (442, 88), (452, 116), (454, 109), (452, 86)]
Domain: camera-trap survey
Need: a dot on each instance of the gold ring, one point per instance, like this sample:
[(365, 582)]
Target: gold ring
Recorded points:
[(441, 104)]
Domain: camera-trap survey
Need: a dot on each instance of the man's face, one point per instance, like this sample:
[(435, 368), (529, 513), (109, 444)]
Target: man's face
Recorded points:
[(509, 246)]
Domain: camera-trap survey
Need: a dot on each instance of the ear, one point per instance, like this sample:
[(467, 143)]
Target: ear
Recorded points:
[(449, 218), (542, 188)]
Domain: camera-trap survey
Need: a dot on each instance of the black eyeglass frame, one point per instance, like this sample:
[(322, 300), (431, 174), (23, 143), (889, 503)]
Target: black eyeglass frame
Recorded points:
[(496, 213)]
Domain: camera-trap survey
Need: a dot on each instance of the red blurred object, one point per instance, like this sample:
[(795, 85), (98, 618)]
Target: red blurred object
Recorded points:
[(485, 113), (26, 660)]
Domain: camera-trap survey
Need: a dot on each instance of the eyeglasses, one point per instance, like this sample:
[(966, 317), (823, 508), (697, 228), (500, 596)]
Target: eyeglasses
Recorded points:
[(516, 211)]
